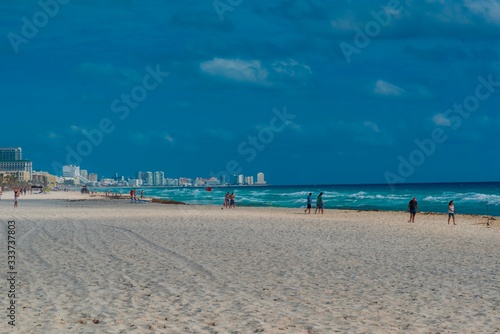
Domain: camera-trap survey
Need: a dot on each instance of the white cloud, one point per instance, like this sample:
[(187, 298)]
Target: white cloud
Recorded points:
[(236, 69), (291, 68), (385, 88), (254, 71), (441, 120), (490, 9)]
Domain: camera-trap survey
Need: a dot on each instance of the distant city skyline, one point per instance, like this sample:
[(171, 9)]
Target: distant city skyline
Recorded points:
[(75, 175), (310, 92)]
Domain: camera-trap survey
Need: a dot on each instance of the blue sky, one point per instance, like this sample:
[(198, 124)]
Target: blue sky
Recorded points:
[(368, 87)]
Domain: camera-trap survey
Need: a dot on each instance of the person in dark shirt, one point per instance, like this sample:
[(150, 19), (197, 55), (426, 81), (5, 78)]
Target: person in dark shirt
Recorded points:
[(412, 208), (319, 203), (309, 203)]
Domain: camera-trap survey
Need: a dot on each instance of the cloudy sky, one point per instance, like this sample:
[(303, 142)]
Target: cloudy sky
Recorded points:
[(307, 91)]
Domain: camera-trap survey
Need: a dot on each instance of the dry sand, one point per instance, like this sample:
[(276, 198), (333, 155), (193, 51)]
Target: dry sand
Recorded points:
[(94, 265)]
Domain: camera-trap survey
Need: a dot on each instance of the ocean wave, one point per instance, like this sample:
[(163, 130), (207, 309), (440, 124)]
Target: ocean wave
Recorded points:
[(364, 195), (468, 200), (296, 193), (489, 199), (360, 194), (259, 193)]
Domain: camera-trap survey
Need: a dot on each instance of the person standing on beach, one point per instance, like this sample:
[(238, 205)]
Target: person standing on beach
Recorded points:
[(142, 194), (412, 208), (226, 201), (133, 196), (309, 203), (319, 203), (232, 203), (451, 212), (17, 193)]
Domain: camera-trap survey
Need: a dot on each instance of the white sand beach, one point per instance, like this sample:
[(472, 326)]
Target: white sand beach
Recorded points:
[(95, 265)]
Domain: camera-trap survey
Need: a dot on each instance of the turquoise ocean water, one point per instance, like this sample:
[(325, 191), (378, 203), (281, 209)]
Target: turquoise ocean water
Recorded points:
[(469, 198)]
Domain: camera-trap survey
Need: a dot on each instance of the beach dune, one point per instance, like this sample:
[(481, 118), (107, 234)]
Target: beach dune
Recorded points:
[(98, 265)]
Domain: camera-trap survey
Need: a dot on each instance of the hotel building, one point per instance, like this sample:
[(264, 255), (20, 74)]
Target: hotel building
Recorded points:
[(12, 163)]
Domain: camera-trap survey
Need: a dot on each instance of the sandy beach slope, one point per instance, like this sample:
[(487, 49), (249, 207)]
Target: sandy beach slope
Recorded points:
[(93, 265)]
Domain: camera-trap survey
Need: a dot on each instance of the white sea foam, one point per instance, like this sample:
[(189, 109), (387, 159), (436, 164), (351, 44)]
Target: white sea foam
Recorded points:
[(489, 199)]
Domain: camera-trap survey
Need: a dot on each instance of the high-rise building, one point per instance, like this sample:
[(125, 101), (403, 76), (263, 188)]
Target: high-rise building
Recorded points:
[(71, 174), (260, 178), (198, 182), (171, 182), (84, 173), (158, 178), (223, 179), (71, 171), (93, 177), (241, 179), (147, 178), (249, 180), (135, 182), (11, 153), (11, 163)]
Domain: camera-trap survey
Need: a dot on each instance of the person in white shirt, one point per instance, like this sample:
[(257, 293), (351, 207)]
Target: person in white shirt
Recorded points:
[(451, 212)]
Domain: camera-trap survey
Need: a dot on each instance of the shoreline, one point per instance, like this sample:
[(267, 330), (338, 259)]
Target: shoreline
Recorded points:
[(169, 201), (125, 199), (468, 201)]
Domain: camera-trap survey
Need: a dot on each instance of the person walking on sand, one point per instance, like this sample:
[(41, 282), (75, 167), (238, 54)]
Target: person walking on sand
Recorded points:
[(451, 212), (412, 208), (319, 203), (309, 203)]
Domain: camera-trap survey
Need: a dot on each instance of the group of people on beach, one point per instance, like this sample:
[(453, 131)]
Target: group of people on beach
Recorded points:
[(229, 201), (319, 204), (133, 195), (413, 208)]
